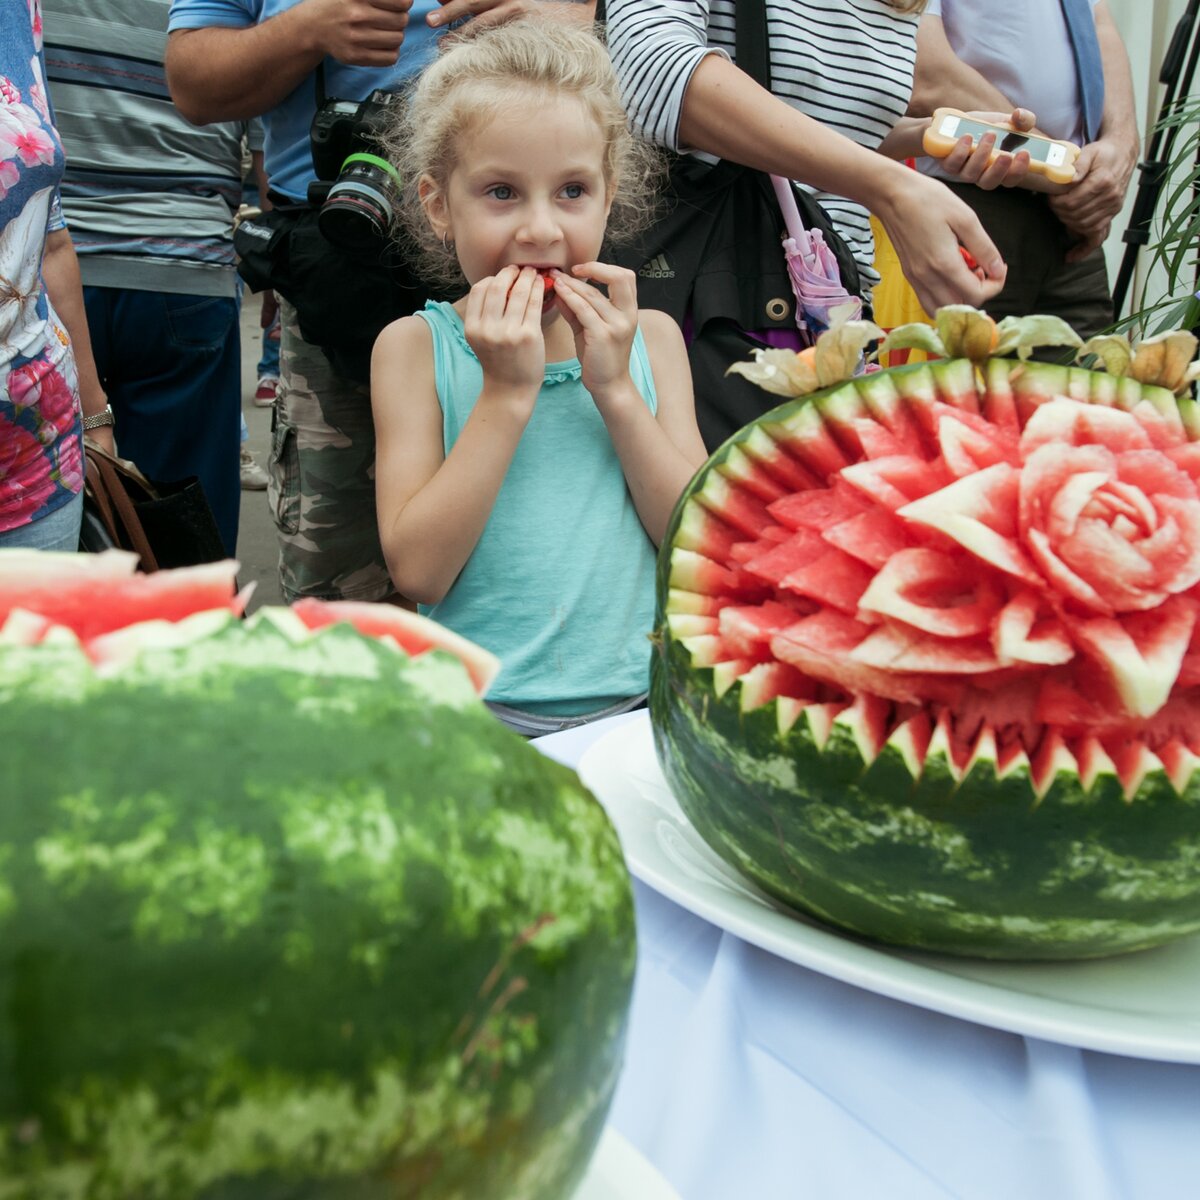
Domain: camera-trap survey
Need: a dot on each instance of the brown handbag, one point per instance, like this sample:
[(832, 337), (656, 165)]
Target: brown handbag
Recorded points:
[(164, 524)]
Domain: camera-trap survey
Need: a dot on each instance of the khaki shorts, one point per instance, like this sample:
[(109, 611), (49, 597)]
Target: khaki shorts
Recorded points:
[(322, 473)]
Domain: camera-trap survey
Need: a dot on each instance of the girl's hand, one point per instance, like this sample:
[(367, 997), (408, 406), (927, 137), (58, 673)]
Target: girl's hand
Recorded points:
[(503, 324), (603, 325)]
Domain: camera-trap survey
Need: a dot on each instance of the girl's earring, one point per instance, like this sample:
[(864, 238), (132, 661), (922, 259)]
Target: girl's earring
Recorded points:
[(446, 244)]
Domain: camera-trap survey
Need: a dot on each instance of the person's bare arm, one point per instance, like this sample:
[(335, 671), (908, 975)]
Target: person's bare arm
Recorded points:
[(971, 161), (231, 74), (484, 13), (261, 182), (941, 77), (433, 506), (60, 270), (1104, 167), (727, 114)]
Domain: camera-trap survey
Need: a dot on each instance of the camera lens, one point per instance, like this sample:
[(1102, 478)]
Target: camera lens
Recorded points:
[(358, 213)]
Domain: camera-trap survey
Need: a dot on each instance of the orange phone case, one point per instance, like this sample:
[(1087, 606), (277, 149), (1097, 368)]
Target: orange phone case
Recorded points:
[(939, 140)]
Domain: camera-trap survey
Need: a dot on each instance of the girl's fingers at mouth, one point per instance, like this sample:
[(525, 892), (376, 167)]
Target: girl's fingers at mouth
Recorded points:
[(577, 286), (522, 282)]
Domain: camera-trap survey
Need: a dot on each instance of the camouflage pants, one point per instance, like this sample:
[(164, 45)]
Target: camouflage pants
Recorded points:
[(322, 472)]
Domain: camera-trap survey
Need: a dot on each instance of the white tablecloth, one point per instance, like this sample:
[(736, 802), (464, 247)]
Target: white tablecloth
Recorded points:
[(750, 1078)]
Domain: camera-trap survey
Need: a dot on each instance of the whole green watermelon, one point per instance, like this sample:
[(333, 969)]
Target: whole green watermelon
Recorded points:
[(290, 915)]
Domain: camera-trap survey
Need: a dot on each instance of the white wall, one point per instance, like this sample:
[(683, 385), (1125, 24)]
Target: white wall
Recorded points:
[(1147, 26)]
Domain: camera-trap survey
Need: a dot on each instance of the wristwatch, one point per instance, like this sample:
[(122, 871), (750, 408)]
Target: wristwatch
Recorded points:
[(96, 420)]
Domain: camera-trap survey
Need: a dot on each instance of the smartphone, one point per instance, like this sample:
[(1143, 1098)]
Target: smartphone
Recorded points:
[(1053, 159)]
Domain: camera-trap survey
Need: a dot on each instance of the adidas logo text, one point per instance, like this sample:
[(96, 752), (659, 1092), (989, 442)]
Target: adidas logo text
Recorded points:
[(656, 268)]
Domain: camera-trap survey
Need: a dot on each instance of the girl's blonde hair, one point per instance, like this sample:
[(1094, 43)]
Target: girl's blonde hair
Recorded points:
[(484, 76)]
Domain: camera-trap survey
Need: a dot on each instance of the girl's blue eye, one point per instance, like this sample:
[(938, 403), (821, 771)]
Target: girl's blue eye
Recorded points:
[(573, 191), (501, 192)]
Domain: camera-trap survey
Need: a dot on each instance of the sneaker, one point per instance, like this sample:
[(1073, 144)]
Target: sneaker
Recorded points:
[(264, 393), (254, 478)]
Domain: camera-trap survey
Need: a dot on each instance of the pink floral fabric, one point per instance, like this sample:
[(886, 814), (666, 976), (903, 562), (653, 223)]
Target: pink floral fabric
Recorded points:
[(41, 460)]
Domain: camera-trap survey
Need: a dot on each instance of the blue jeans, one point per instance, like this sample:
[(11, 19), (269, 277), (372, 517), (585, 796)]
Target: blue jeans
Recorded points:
[(269, 363), (58, 530), (171, 366)]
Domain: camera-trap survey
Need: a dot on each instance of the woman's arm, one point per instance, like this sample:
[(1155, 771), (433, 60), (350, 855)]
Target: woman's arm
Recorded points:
[(941, 77), (682, 94), (60, 270), (726, 113)]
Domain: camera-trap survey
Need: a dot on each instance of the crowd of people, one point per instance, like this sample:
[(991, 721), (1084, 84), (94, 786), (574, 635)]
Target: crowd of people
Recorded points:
[(511, 462)]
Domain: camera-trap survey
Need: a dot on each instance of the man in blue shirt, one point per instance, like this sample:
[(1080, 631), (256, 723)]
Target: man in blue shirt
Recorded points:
[(236, 59)]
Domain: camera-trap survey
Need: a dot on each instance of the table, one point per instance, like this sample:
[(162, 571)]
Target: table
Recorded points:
[(750, 1078)]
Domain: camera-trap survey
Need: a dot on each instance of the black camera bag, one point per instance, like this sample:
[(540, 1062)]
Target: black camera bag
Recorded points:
[(342, 302)]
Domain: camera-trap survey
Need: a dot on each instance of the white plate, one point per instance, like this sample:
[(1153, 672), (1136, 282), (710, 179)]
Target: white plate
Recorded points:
[(1146, 1005), (619, 1172)]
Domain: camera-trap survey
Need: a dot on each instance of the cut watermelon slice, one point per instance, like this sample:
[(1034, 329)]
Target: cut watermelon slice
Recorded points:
[(872, 537), (1018, 552), (92, 594), (1143, 652), (413, 633), (933, 592), (114, 610), (896, 482), (978, 513)]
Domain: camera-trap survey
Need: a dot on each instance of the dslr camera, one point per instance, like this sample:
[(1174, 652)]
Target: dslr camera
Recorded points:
[(355, 189)]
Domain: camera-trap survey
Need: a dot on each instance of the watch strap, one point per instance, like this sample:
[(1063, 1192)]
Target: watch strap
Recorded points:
[(100, 419)]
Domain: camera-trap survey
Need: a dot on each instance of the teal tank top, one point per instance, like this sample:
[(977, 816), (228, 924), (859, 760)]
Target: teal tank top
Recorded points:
[(561, 584)]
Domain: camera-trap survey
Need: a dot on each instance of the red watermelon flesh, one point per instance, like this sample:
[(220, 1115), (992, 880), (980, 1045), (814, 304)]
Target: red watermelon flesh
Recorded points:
[(96, 594), (1026, 564), (102, 598)]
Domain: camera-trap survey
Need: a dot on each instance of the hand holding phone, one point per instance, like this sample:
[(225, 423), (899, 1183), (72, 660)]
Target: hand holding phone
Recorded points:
[(1055, 160)]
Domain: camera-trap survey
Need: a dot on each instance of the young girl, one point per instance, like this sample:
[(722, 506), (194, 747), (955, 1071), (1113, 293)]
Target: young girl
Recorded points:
[(533, 437)]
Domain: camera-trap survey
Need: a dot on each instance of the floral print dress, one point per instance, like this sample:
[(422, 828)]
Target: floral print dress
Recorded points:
[(41, 449)]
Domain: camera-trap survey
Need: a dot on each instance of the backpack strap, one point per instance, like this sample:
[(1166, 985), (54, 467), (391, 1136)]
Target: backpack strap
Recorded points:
[(752, 48)]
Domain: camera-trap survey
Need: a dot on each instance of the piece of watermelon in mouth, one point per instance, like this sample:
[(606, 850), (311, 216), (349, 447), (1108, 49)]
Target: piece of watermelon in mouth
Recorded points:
[(548, 286)]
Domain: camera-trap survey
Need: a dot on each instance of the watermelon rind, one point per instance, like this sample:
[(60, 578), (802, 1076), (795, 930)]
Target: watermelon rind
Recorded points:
[(293, 916), (1021, 862)]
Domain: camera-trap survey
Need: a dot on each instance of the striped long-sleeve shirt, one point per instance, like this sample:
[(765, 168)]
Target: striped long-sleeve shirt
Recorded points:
[(845, 63), (149, 197)]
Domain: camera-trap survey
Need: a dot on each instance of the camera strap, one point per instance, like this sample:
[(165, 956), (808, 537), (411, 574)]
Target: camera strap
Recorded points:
[(319, 85)]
